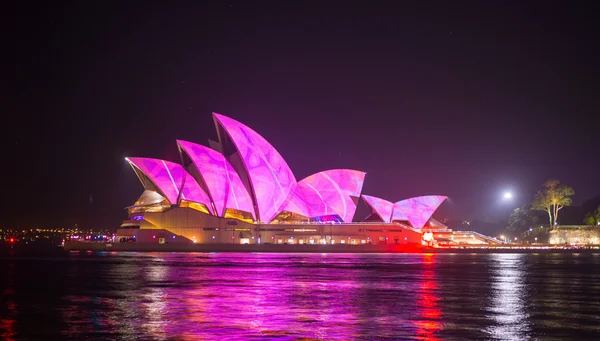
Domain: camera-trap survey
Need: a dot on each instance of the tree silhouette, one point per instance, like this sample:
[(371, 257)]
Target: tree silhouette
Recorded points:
[(520, 220)]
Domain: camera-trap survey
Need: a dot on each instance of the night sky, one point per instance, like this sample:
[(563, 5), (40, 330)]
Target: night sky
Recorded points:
[(464, 99)]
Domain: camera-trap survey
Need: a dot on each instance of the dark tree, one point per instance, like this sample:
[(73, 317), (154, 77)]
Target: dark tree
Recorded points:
[(593, 217), (521, 219)]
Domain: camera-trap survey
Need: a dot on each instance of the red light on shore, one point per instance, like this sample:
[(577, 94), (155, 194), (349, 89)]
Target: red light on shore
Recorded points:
[(12, 240)]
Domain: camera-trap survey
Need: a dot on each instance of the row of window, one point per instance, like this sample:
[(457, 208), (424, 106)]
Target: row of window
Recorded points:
[(286, 230), (225, 229), (289, 230), (378, 230)]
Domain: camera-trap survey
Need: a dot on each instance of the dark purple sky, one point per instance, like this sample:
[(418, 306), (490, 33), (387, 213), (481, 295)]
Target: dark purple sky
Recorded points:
[(464, 99)]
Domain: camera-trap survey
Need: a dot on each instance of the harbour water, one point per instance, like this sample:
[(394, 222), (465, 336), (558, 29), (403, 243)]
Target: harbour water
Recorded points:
[(238, 296)]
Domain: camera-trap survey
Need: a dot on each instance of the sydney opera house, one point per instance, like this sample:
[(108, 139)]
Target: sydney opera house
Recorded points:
[(241, 190)]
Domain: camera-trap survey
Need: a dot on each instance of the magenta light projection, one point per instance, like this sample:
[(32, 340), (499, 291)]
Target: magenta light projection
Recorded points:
[(171, 179), (191, 191), (381, 207), (397, 214), (223, 183), (418, 210), (328, 192), (297, 204), (271, 179)]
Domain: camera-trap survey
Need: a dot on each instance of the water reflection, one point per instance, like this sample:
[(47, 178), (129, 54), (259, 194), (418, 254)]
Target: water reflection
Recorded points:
[(224, 297), (507, 303), (9, 310), (429, 312), (164, 296), (154, 298)]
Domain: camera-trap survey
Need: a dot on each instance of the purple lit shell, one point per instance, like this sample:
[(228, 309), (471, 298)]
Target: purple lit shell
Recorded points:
[(223, 183), (418, 210), (272, 180), (273, 185), (170, 178), (328, 192), (191, 191), (397, 214), (381, 207)]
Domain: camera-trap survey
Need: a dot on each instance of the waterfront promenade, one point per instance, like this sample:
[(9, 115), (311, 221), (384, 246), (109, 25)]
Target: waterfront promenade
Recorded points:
[(318, 248)]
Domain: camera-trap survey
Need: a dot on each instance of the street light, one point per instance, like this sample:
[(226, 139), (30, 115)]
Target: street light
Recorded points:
[(507, 195)]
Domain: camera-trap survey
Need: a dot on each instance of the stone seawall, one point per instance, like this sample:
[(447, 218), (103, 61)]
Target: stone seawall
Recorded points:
[(589, 236)]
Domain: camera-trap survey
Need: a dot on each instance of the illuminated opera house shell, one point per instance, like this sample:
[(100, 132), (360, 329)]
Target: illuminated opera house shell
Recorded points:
[(243, 176)]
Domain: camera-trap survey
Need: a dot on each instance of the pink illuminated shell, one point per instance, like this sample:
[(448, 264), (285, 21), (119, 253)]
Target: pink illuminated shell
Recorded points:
[(297, 204), (418, 210), (191, 191), (271, 179), (397, 214), (265, 185), (328, 192), (171, 180), (223, 183), (381, 207)]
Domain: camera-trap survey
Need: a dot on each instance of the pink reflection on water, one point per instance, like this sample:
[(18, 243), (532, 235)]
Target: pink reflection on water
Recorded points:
[(429, 313), (263, 296), (220, 296), (271, 301)]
